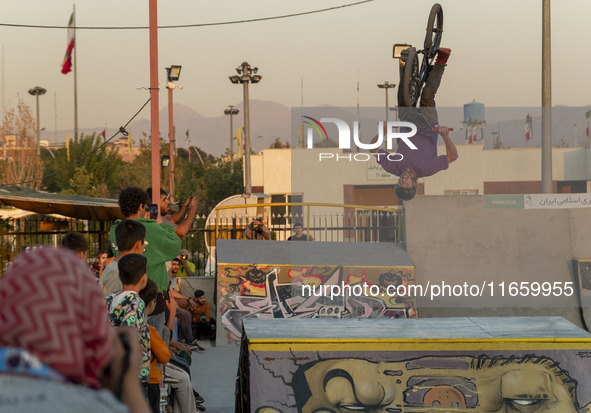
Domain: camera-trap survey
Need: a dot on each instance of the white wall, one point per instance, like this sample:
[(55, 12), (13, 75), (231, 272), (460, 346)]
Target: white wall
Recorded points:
[(283, 171)]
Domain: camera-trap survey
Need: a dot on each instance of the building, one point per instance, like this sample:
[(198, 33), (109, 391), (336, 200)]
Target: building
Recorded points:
[(333, 176)]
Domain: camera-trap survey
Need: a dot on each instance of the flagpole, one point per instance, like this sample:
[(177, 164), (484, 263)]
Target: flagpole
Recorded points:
[(547, 184), (75, 52)]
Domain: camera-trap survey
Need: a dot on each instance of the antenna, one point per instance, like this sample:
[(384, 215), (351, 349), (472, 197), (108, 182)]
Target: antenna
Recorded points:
[(357, 97), (54, 117)]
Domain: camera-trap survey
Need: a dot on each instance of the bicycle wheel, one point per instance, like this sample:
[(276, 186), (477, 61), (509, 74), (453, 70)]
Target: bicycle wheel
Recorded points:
[(434, 30), (411, 88)]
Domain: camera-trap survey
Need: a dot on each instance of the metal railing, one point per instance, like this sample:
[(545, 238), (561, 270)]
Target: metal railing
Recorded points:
[(332, 222), (322, 222), (18, 235)]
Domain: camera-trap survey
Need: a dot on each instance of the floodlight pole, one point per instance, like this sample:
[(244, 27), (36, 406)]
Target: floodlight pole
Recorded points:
[(231, 111), (171, 140), (172, 74), (547, 187), (37, 91), (386, 85), (246, 75)]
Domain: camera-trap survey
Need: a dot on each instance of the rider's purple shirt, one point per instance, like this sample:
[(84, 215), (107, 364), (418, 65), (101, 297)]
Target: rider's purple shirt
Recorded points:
[(424, 160)]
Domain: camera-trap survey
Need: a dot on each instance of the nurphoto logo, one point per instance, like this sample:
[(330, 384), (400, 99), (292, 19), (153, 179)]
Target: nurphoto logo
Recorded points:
[(392, 131)]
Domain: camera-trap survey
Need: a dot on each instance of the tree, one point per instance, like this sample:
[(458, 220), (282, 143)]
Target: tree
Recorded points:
[(88, 167), (220, 183), (139, 171), (21, 165), (278, 145)]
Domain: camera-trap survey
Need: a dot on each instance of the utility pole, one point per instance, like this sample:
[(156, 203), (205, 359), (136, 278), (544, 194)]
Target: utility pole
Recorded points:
[(231, 111), (547, 187)]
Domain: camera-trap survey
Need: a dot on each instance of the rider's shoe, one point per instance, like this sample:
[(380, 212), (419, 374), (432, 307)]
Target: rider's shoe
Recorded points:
[(404, 54), (442, 55)]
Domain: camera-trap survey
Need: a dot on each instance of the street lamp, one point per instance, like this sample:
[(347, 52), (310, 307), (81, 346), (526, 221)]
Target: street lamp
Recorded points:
[(386, 85), (173, 74), (37, 91), (231, 111), (246, 75)]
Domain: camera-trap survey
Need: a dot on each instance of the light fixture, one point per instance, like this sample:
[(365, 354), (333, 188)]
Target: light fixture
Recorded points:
[(398, 48), (174, 72)]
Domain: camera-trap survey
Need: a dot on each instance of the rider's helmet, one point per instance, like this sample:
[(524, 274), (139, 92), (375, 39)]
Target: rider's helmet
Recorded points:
[(406, 188), (405, 194)]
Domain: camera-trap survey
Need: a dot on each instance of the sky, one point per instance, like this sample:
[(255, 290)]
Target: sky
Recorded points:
[(496, 54)]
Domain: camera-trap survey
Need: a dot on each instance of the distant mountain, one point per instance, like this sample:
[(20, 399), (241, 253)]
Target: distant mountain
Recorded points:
[(268, 120)]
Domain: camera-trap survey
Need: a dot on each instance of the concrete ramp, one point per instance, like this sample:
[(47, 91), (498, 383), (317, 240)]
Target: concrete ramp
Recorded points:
[(302, 280), (484, 365)]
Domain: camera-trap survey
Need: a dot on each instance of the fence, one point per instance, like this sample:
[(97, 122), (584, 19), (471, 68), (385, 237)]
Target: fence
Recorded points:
[(321, 222), (18, 235)]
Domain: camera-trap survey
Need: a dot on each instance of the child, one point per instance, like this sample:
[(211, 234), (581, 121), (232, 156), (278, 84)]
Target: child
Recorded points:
[(185, 397), (128, 309), (130, 237), (160, 353)]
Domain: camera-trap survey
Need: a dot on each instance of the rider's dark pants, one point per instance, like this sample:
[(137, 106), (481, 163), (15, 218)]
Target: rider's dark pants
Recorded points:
[(427, 102)]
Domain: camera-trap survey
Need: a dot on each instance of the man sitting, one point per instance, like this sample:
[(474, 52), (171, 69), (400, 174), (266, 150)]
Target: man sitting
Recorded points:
[(203, 325)]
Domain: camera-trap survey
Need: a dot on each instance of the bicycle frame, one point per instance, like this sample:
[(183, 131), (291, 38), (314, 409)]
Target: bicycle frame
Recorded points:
[(412, 75)]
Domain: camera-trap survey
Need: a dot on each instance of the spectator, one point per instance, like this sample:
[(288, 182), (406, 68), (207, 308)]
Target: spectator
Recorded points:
[(185, 317), (76, 242), (97, 265), (186, 268), (184, 396), (110, 257), (130, 237), (299, 233), (257, 230), (163, 245), (127, 308), (160, 353), (173, 272), (183, 219), (64, 357), (203, 325)]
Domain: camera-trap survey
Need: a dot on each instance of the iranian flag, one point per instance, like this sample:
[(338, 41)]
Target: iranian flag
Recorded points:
[(528, 128), (67, 63), (472, 131)]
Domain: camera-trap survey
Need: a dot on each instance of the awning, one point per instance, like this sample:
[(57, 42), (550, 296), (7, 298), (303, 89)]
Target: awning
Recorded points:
[(74, 206)]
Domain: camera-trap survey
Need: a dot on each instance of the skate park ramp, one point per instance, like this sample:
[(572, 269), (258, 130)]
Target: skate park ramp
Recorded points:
[(330, 280), (466, 239), (480, 364)]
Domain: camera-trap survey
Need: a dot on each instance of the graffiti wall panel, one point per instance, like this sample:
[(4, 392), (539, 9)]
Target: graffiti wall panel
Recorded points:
[(438, 365), (508, 381), (292, 291)]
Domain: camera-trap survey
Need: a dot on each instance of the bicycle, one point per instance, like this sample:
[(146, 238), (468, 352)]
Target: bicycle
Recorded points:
[(412, 75)]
